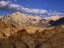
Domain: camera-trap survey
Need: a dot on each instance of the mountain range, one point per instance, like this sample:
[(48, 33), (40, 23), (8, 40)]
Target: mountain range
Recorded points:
[(18, 19), (18, 30)]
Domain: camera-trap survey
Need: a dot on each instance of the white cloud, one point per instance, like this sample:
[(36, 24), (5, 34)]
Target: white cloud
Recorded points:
[(55, 11), (50, 10), (3, 3), (45, 4), (43, 11), (15, 7)]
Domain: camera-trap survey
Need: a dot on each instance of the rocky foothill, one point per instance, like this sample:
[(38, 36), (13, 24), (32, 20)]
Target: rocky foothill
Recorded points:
[(20, 37)]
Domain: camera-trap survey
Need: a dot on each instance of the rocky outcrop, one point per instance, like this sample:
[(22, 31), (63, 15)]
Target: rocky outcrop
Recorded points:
[(47, 38)]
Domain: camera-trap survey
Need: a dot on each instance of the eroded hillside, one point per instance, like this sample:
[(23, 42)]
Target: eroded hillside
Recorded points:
[(31, 37)]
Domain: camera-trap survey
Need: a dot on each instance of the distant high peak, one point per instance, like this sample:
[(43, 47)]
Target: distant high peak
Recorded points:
[(17, 12), (18, 18), (53, 17)]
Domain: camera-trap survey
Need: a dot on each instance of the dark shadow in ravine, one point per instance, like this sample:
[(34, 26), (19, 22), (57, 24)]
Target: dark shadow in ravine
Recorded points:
[(57, 22)]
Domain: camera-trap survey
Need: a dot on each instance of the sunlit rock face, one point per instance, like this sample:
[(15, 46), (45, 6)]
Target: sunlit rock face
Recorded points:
[(31, 37), (18, 18), (53, 17)]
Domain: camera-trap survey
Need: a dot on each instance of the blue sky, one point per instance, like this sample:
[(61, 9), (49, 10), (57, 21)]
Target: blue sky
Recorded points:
[(39, 6), (53, 5)]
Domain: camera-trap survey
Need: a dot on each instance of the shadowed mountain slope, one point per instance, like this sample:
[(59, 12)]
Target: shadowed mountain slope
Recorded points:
[(60, 21)]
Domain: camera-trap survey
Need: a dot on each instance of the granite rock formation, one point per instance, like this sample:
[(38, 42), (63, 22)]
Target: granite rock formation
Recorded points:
[(18, 19), (13, 37)]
